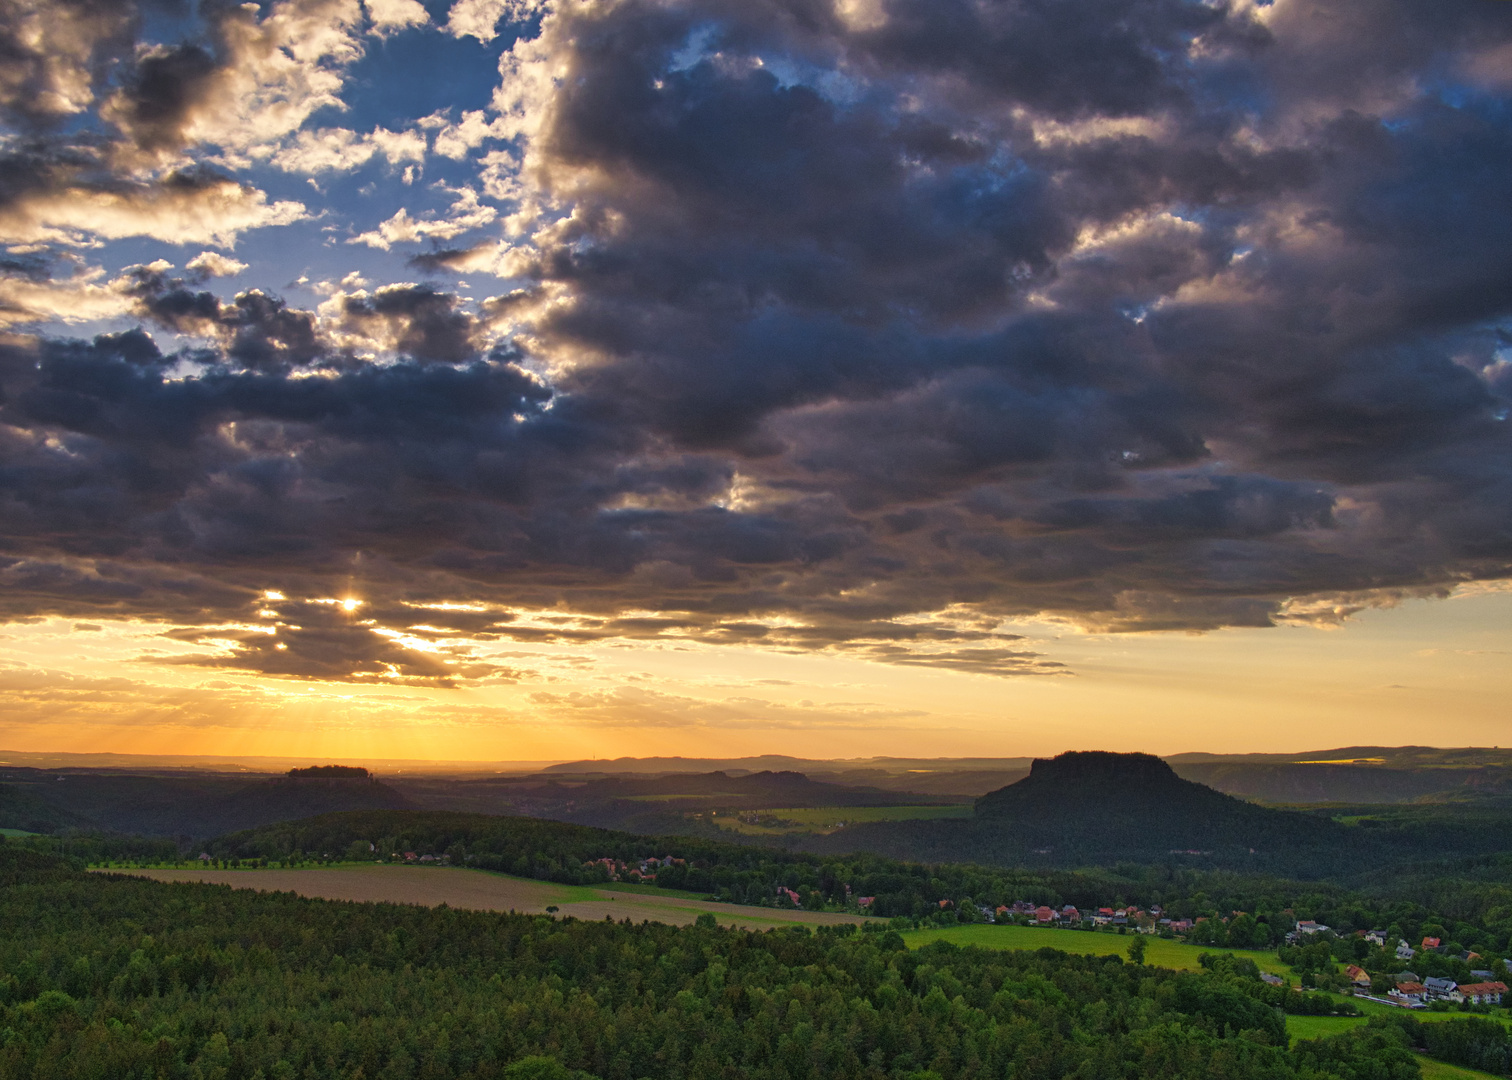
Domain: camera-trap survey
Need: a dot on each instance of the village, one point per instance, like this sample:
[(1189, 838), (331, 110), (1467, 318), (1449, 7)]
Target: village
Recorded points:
[(1404, 988)]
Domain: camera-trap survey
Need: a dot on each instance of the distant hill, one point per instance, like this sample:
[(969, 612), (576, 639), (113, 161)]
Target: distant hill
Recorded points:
[(1121, 802), (1096, 808), (767, 788), (1351, 774), (188, 805), (636, 802), (897, 774), (1293, 782)]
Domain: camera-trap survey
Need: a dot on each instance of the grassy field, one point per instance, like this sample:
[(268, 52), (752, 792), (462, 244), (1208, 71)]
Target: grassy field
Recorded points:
[(1159, 952), (1437, 1070), (1316, 1027), (826, 819), (16, 832)]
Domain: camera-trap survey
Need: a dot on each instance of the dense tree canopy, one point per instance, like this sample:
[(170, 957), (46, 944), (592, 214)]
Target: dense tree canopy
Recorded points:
[(124, 978)]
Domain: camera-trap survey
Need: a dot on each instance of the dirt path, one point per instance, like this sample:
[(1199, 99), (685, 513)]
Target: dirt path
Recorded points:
[(478, 890)]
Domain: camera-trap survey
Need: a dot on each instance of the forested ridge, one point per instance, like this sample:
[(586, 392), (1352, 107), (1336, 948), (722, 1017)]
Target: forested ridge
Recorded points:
[(1473, 914), (124, 978)]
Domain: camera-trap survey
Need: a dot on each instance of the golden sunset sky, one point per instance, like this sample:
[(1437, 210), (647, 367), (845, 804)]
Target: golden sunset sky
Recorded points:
[(1421, 673)]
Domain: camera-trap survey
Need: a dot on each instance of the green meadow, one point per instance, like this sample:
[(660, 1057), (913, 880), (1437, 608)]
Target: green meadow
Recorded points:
[(1437, 1070), (1159, 952), (1313, 1027)]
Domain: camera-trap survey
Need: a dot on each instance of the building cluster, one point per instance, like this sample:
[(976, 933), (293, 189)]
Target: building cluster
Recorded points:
[(1152, 921), (633, 871), (412, 857), (1415, 993)]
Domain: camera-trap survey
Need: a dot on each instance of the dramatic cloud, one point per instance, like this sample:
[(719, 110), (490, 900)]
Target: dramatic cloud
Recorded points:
[(59, 202), (50, 67), (258, 78), (864, 328)]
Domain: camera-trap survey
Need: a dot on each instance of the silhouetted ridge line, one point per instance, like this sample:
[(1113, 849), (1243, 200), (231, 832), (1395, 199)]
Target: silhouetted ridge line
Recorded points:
[(330, 772)]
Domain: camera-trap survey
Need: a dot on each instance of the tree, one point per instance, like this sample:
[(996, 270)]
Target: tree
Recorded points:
[(537, 1067), (1137, 949), (1244, 932)]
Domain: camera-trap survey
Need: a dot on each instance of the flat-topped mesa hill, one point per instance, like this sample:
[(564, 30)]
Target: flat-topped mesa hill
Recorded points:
[(1098, 798), (1094, 807), (332, 773)]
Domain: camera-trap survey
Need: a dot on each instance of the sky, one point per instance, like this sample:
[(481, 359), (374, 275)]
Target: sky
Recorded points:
[(543, 379)]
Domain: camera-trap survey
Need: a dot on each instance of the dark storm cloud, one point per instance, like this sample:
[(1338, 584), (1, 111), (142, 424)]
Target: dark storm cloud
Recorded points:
[(417, 321), (256, 330), (160, 94), (859, 327), (442, 260), (260, 331)]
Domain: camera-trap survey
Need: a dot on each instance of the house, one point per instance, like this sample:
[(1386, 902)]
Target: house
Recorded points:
[(1430, 943), (1376, 937), (1409, 993), (1407, 976), (1442, 989), (1070, 914), (1181, 926), (1045, 914), (1357, 975), (1003, 911), (790, 894), (865, 901), (1307, 926), (1274, 980), (1404, 951), (1483, 976), (1483, 993)]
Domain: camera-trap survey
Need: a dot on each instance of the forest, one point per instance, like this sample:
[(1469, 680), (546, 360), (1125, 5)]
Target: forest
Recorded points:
[(129, 979)]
